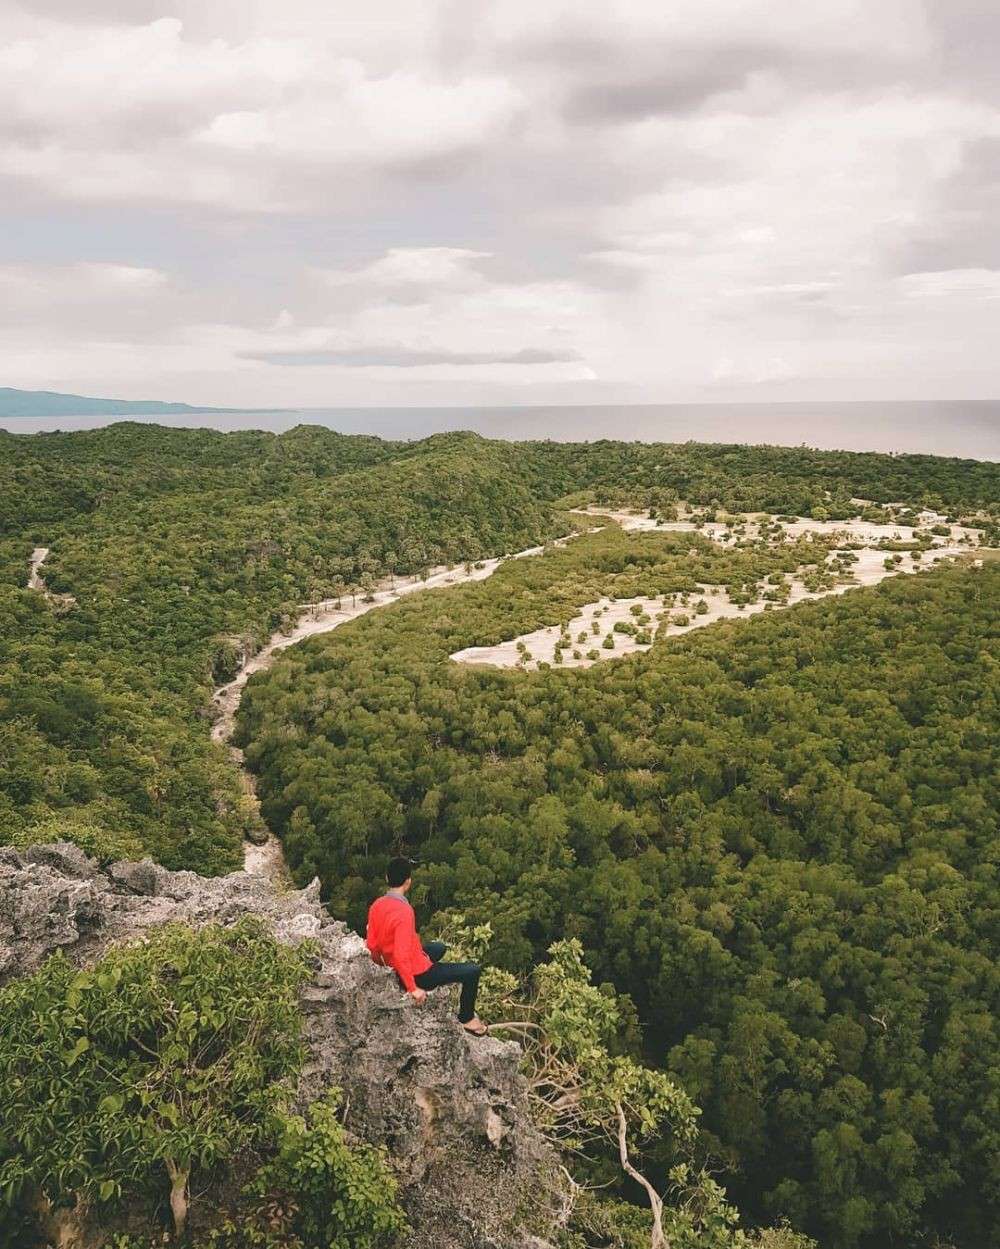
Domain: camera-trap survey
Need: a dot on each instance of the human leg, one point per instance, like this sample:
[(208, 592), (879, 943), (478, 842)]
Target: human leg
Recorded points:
[(464, 974), (435, 950)]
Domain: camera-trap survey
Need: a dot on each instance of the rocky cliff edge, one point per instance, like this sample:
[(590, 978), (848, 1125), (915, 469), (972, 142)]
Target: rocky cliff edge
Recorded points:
[(452, 1110)]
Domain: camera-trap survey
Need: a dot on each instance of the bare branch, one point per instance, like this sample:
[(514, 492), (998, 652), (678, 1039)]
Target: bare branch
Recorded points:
[(657, 1238)]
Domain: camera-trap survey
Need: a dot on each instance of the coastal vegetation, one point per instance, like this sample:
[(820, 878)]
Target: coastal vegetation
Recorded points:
[(769, 846)]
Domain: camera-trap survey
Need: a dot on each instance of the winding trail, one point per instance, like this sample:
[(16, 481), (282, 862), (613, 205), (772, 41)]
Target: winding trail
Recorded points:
[(267, 858)]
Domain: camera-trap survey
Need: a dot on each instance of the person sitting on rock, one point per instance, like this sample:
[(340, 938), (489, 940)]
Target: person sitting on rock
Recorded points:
[(393, 942)]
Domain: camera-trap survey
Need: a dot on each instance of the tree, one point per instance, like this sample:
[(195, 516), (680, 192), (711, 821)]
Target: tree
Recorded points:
[(173, 1052)]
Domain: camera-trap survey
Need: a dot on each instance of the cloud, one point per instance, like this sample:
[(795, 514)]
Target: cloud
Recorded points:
[(952, 283), (407, 358), (426, 267), (84, 287), (256, 124), (464, 201)]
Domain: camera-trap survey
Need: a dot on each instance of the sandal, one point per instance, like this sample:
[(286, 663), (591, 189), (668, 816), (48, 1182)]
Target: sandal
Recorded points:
[(480, 1031)]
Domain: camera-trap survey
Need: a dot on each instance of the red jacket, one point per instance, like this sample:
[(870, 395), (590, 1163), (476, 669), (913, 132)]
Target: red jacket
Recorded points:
[(393, 940)]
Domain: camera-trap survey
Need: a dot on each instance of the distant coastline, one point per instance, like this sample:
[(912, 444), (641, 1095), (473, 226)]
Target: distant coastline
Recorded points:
[(21, 404), (967, 429)]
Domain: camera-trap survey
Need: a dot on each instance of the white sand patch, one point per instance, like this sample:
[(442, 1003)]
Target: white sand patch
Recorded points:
[(60, 602), (540, 646), (866, 532)]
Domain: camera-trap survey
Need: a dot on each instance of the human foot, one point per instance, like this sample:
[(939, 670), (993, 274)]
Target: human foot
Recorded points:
[(475, 1027)]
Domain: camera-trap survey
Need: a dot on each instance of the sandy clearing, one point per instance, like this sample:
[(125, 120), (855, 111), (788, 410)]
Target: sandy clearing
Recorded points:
[(851, 530), (59, 602), (541, 644)]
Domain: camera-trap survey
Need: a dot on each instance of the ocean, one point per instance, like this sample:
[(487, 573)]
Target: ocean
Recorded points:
[(966, 428)]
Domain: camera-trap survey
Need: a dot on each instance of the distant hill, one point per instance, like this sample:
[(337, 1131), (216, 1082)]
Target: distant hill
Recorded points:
[(51, 403)]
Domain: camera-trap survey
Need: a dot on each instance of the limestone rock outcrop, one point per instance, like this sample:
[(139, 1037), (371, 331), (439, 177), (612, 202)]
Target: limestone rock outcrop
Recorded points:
[(451, 1109)]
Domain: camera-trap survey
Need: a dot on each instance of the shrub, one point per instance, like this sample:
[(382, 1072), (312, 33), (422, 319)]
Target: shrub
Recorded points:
[(609, 642), (319, 1191), (166, 1058), (103, 844)]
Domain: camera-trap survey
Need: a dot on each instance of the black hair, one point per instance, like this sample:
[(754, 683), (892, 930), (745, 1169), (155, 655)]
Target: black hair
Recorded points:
[(398, 872)]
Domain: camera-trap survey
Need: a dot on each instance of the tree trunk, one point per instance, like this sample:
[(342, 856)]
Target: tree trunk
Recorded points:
[(64, 1225), (657, 1239), (179, 1177)]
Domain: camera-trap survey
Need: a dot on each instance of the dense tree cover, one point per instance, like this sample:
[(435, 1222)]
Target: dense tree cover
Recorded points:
[(184, 549), (181, 549), (779, 837), (770, 479)]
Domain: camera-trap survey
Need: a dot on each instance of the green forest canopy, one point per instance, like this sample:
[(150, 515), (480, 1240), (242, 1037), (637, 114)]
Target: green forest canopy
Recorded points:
[(779, 836)]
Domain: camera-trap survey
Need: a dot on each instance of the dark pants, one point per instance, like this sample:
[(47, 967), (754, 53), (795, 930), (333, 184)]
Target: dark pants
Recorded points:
[(465, 974)]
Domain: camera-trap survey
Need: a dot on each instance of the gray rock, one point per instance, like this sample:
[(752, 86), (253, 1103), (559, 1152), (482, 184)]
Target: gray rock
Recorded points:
[(138, 877), (65, 857), (451, 1109)]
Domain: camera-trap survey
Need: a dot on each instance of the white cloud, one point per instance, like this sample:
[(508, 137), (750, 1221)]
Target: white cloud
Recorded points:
[(952, 284), (123, 112), (680, 199), (413, 266), (27, 288)]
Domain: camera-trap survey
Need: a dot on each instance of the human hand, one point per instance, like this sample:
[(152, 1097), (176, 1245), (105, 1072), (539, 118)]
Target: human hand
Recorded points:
[(419, 996)]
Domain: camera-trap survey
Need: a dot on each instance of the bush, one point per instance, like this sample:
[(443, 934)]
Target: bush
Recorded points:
[(318, 1192), (104, 845), (163, 1060)]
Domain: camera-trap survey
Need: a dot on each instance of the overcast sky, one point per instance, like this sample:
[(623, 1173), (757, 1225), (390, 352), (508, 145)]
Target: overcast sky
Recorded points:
[(271, 202)]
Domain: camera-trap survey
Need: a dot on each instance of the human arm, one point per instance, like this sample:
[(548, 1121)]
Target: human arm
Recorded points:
[(404, 939)]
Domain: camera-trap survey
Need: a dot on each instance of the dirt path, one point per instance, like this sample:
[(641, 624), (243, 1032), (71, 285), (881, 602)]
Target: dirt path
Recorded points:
[(38, 557), (266, 857)]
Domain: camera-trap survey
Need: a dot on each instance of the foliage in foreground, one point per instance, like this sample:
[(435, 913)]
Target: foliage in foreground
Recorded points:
[(154, 1067), (318, 1191), (601, 1108)]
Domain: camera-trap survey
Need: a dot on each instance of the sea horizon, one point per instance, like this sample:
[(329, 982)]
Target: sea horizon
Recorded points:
[(963, 428)]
